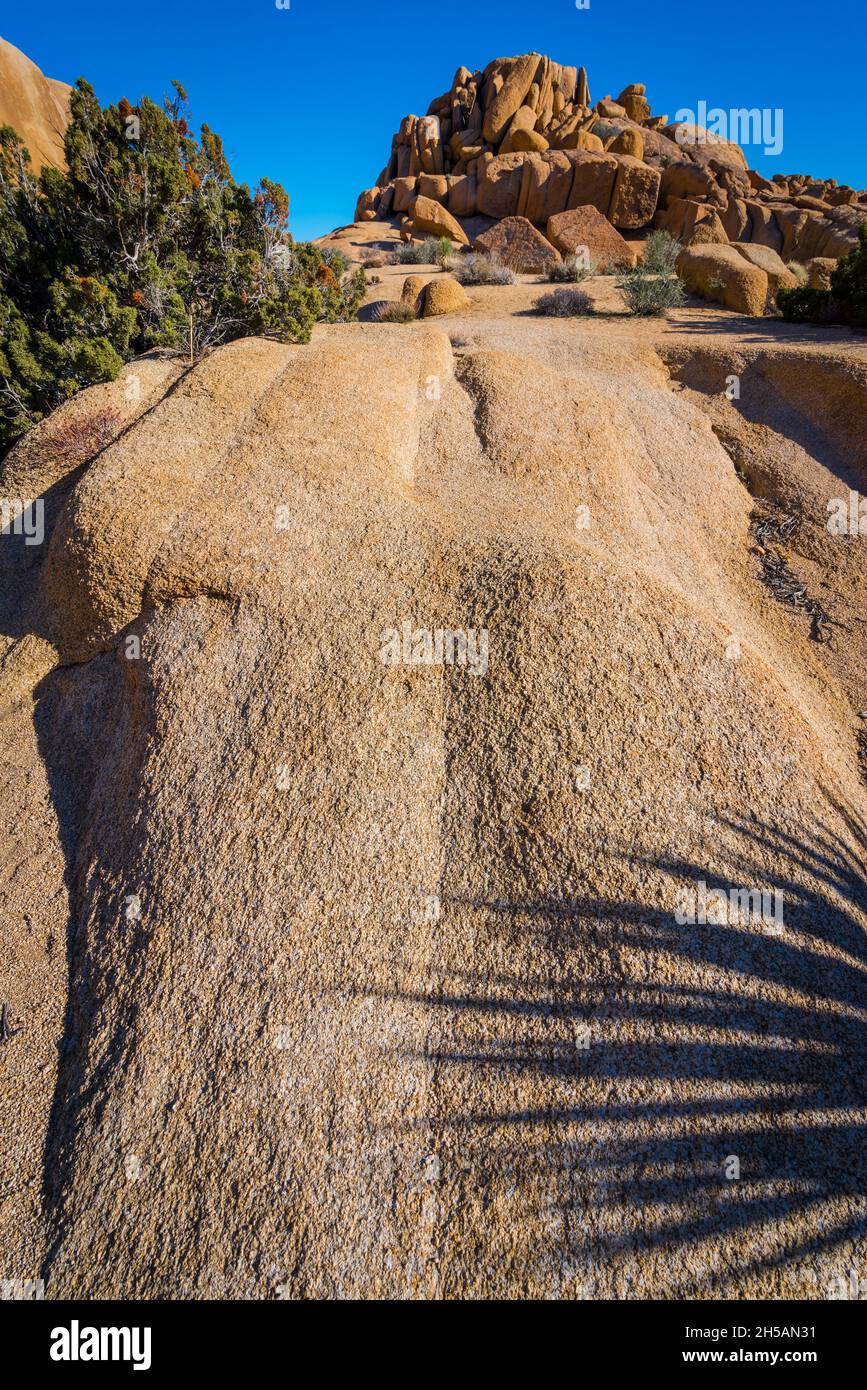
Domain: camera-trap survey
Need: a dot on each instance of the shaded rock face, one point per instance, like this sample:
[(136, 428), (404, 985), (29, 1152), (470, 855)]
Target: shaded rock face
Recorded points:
[(37, 107), (504, 134), (367, 977)]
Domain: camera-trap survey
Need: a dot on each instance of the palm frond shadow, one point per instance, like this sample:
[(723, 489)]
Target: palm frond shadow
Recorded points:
[(767, 1063)]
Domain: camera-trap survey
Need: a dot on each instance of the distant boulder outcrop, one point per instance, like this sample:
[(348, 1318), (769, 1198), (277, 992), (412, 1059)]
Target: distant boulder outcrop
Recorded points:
[(521, 139)]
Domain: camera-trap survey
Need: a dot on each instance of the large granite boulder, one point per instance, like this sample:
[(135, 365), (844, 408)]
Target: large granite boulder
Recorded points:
[(585, 227), (518, 244)]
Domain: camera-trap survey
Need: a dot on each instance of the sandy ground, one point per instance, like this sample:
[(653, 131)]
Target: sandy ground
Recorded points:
[(698, 322)]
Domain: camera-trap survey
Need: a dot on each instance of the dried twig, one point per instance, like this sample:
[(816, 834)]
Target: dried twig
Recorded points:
[(781, 579)]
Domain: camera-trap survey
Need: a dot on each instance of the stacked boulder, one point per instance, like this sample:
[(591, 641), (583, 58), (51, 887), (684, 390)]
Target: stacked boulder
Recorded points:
[(522, 140)]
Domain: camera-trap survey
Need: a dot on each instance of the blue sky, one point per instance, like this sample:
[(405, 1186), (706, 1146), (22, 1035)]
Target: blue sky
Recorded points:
[(311, 95)]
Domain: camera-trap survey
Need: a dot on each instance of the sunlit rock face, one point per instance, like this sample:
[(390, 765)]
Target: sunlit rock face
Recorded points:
[(402, 743)]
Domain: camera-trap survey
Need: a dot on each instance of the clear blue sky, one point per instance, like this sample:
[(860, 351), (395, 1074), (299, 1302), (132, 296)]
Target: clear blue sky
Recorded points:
[(311, 95)]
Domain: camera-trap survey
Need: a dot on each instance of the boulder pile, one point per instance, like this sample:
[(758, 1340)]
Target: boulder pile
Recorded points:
[(522, 139)]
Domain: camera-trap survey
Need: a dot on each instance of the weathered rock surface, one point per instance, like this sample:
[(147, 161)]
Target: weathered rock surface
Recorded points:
[(444, 296), (433, 219), (37, 107), (779, 276), (593, 180), (325, 965), (819, 271), (722, 273), (585, 227), (500, 181), (545, 187), (636, 190), (518, 244)]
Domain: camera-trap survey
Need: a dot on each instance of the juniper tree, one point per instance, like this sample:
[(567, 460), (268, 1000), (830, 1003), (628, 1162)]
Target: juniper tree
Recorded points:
[(146, 240)]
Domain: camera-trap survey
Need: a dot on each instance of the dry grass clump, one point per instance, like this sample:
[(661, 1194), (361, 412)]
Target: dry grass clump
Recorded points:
[(651, 296), (565, 304), (474, 268), (392, 311), (78, 437), (571, 269), (770, 528), (434, 250), (371, 259), (660, 253)]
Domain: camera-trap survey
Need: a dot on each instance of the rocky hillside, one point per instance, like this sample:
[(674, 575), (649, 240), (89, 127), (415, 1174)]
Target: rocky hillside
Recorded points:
[(522, 139), (37, 107), (336, 967)]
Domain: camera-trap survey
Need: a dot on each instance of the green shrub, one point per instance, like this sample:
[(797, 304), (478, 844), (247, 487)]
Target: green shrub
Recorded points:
[(571, 268), (475, 268), (146, 241), (804, 305), (434, 250), (335, 259), (651, 296), (849, 282), (844, 302), (565, 303), (660, 253)]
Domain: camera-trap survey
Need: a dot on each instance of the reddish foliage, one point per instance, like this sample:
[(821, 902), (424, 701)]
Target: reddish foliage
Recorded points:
[(79, 437)]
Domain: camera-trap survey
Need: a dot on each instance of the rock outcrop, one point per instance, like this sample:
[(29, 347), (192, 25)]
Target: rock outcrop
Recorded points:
[(371, 712), (515, 140), (37, 107)]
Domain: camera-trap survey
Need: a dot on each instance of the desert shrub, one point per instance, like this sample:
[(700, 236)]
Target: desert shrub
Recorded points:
[(434, 250), (660, 253), (80, 437), (335, 259), (650, 296), (474, 268), (564, 303), (393, 311), (844, 302), (799, 271), (571, 268), (849, 282), (372, 259), (804, 305), (145, 241)]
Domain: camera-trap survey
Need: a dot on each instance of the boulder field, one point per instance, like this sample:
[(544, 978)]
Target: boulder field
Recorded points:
[(373, 712), (521, 139)]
